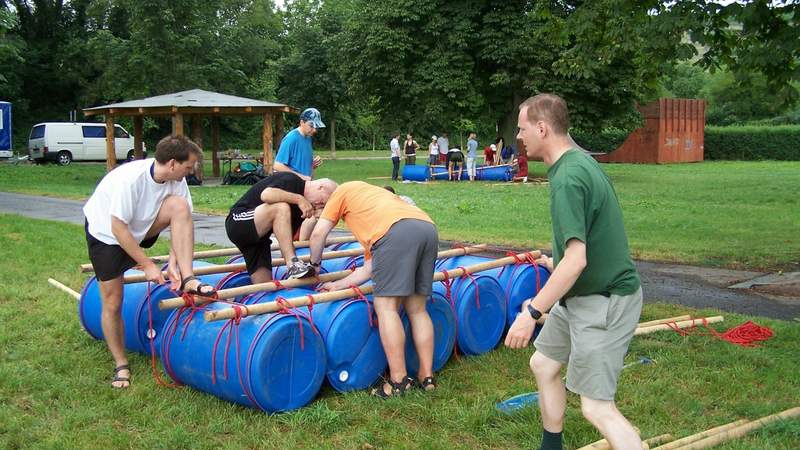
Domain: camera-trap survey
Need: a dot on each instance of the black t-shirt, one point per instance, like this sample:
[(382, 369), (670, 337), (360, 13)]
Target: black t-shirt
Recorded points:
[(286, 181)]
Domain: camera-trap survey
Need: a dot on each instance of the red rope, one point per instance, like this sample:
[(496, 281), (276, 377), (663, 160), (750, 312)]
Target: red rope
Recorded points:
[(744, 335), (363, 297), (152, 339), (475, 282), (288, 308), (448, 295)]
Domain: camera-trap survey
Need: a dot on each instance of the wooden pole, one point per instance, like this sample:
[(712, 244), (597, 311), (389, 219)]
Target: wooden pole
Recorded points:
[(655, 440), (215, 145), (197, 137), (666, 320), (138, 149), (741, 430), (233, 251), (266, 137), (274, 286), (64, 288), (696, 437), (681, 324), (177, 124), (111, 155), (278, 128), (222, 268), (264, 308)]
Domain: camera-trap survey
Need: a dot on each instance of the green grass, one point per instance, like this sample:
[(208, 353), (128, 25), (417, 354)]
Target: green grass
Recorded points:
[(55, 393), (731, 214)]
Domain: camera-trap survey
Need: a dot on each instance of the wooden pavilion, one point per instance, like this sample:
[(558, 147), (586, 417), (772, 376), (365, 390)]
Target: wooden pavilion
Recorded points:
[(197, 104)]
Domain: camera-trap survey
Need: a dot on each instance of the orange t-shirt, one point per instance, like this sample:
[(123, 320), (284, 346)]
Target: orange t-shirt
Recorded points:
[(368, 211)]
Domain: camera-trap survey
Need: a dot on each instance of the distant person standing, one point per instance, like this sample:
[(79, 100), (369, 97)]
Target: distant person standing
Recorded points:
[(472, 147), (489, 154), (433, 150), (394, 146), (444, 147), (595, 292), (410, 147), (295, 153)]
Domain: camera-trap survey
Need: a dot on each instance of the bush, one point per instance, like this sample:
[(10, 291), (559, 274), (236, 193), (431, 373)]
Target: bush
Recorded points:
[(748, 143), (604, 141)]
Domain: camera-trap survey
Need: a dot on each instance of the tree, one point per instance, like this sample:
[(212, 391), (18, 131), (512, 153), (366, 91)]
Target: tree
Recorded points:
[(11, 59)]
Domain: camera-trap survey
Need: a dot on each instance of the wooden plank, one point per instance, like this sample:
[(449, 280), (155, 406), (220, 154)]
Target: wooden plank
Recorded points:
[(215, 145), (197, 137), (177, 124), (267, 142), (111, 156), (138, 152)]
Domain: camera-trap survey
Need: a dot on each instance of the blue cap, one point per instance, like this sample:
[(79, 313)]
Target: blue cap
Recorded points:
[(312, 115)]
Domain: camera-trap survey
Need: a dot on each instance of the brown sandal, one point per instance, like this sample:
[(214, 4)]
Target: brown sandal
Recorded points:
[(397, 389), (120, 379), (429, 384)]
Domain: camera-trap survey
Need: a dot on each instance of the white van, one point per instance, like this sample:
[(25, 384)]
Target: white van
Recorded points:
[(64, 142)]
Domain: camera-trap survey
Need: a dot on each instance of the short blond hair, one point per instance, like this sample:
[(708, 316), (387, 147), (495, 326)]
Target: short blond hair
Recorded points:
[(548, 108)]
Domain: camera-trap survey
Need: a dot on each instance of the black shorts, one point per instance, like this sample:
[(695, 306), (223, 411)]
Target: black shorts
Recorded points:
[(240, 226), (110, 260), (455, 157)]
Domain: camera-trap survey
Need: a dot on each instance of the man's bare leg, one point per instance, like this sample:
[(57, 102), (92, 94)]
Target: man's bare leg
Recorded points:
[(113, 326), (393, 337), (421, 332), (277, 218), (605, 416), (261, 275), (552, 393)]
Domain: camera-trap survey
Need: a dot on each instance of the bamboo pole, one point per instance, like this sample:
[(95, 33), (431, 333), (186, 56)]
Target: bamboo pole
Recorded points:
[(65, 288), (696, 437), (741, 430), (602, 444), (660, 439), (233, 251), (666, 320), (325, 297), (681, 324), (222, 268), (270, 286)]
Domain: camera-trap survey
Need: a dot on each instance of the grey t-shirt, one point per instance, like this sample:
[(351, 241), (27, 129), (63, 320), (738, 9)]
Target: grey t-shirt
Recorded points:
[(472, 146), (444, 144)]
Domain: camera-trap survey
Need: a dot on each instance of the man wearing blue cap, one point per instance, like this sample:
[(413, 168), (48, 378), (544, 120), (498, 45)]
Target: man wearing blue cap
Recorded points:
[(295, 153)]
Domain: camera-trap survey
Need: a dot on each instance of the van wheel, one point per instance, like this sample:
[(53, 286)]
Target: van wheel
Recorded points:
[(64, 158)]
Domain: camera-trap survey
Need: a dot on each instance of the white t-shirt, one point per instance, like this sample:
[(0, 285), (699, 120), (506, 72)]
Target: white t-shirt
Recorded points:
[(444, 144), (434, 148), (130, 194), (395, 146)]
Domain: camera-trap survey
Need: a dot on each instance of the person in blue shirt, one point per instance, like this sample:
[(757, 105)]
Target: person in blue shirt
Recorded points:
[(295, 153), (472, 146)]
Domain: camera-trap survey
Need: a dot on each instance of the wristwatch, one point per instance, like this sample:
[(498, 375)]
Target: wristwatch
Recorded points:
[(535, 313), (314, 264)]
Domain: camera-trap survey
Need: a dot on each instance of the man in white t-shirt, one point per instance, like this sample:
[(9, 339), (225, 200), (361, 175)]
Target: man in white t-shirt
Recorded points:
[(394, 146), (131, 205)]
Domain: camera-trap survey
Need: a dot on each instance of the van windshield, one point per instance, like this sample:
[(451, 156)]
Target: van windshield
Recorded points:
[(37, 132)]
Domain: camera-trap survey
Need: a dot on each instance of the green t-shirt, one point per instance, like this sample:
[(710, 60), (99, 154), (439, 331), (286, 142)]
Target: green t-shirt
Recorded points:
[(584, 206)]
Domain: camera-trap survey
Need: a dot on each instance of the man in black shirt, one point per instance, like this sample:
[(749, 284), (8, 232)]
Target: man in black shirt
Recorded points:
[(277, 204)]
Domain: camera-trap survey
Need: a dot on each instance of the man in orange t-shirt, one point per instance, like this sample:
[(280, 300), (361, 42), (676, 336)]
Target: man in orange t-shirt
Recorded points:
[(400, 245)]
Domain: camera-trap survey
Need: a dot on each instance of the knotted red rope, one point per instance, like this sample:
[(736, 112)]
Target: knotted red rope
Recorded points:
[(152, 338), (361, 297), (744, 335), (474, 282), (289, 309), (448, 295)]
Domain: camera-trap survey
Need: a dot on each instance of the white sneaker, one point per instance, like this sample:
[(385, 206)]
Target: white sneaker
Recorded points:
[(299, 269)]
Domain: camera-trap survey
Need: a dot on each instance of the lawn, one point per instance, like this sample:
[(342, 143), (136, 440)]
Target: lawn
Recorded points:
[(729, 214), (55, 392)]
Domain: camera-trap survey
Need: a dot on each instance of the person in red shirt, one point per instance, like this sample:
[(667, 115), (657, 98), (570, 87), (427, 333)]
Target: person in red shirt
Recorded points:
[(488, 154)]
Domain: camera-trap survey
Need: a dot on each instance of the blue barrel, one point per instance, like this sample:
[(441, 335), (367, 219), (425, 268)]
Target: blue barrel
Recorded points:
[(278, 364), (519, 281), (416, 173), (346, 263), (480, 307), (444, 334), (356, 359), (494, 173), (439, 173), (135, 309)]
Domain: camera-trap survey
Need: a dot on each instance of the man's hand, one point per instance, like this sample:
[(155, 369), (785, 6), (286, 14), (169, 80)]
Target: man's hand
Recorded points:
[(174, 275), (333, 286), (305, 207), (546, 261), (521, 330), (153, 273)]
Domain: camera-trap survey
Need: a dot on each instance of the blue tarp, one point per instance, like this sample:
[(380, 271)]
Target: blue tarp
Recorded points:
[(5, 126)]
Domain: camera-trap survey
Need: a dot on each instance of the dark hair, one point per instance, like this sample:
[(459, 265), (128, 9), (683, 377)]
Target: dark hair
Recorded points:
[(389, 188), (176, 147), (549, 108)]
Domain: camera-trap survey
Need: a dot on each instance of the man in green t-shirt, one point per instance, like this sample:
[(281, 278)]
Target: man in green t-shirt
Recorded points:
[(594, 292)]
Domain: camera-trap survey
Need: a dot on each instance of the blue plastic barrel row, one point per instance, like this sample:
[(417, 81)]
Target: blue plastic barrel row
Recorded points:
[(486, 173)]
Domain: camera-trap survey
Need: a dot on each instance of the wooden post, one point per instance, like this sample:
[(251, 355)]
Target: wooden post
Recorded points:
[(111, 155), (215, 145), (197, 137), (137, 137), (279, 128), (177, 124), (267, 142), (332, 131)]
